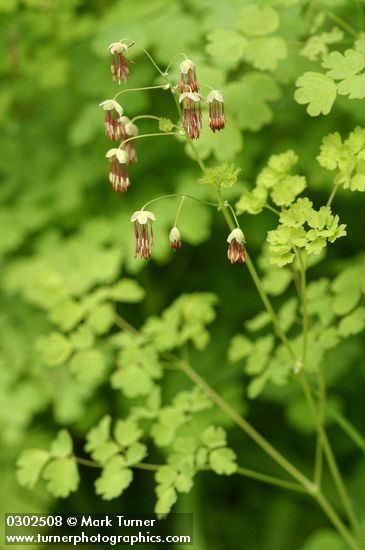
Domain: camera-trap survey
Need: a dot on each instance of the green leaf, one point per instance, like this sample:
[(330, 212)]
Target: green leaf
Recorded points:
[(165, 501), (98, 442), (226, 47), (223, 461), (101, 318), (128, 291), (62, 477), (29, 466), (260, 321), (135, 453), (224, 175), (343, 65), (54, 348), (353, 86), (67, 313), (352, 323), (127, 432), (252, 202), (265, 53), (318, 91), (88, 366), (132, 381), (82, 338), (239, 348), (114, 479), (257, 21), (214, 437), (62, 446)]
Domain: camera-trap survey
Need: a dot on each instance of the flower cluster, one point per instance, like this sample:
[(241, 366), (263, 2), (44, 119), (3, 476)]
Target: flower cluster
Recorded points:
[(190, 100), (119, 127)]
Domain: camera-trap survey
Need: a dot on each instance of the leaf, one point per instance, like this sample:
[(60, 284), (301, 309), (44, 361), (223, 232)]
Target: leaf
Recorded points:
[(239, 348), (224, 175), (62, 477), (101, 318), (223, 461), (62, 446), (127, 432), (132, 381), (67, 313), (165, 501), (88, 366), (29, 466), (353, 86), (98, 442), (82, 338), (128, 291), (114, 479), (352, 323), (318, 91), (135, 453), (54, 348), (226, 47), (265, 53), (257, 21), (343, 65), (214, 437)]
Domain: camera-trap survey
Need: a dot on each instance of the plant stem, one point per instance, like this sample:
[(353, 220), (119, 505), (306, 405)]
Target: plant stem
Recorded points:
[(350, 430), (270, 479), (142, 89), (178, 211), (342, 23), (303, 292), (183, 195), (309, 487), (156, 134), (322, 409), (332, 195), (139, 466), (331, 461)]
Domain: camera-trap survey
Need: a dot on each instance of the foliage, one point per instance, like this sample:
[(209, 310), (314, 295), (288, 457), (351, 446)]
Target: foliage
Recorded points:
[(115, 363)]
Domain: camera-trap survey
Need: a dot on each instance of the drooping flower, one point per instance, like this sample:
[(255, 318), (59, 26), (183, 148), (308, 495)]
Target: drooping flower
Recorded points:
[(191, 113), (130, 131), (118, 172), (119, 66), (175, 238), (113, 114), (236, 250), (143, 233), (188, 81), (216, 110)]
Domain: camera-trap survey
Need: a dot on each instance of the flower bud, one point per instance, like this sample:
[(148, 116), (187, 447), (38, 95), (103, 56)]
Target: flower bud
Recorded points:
[(175, 239), (236, 251), (215, 101), (143, 233)]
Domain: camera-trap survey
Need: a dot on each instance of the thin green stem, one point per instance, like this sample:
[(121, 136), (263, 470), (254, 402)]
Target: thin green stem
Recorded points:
[(310, 487), (332, 195), (153, 117), (153, 62), (178, 210), (342, 23), (139, 466), (268, 207), (172, 60), (201, 201), (318, 465), (155, 134), (198, 158), (142, 89), (270, 479), (303, 293), (350, 430), (233, 213), (331, 461)]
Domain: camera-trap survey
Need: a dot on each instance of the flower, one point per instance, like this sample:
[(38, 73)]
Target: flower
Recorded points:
[(191, 113), (188, 81), (118, 173), (216, 110), (175, 239), (143, 233), (236, 251), (130, 130), (119, 67), (113, 112)]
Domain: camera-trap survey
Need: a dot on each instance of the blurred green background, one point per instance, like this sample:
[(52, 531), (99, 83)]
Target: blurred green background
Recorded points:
[(62, 226)]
